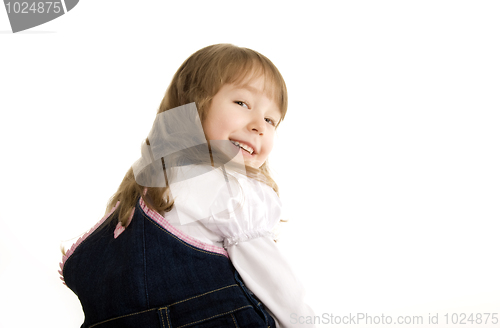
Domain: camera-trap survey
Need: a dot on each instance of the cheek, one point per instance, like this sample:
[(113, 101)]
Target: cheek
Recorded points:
[(222, 124), (269, 146), (212, 128)]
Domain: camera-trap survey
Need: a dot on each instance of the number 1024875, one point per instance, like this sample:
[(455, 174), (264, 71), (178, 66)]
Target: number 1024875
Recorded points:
[(37, 7), (471, 319)]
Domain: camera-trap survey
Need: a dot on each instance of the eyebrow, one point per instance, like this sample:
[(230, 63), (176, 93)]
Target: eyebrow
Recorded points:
[(253, 90), (250, 88)]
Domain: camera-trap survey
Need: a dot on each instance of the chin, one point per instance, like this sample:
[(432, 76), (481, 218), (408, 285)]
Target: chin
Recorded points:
[(255, 166)]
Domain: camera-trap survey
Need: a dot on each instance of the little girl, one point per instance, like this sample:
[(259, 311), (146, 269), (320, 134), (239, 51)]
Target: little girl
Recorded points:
[(188, 238)]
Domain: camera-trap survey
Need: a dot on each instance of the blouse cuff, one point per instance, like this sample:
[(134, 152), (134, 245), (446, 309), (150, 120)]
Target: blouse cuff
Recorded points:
[(234, 240)]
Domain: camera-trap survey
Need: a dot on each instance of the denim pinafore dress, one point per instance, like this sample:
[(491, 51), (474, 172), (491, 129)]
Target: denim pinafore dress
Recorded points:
[(151, 275)]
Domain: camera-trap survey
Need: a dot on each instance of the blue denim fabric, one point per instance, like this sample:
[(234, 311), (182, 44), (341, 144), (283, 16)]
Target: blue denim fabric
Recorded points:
[(147, 277)]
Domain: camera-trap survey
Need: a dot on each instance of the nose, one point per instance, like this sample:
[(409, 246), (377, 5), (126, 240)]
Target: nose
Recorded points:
[(257, 124)]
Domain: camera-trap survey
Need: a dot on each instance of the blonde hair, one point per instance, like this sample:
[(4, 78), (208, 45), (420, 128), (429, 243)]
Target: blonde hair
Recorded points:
[(198, 80)]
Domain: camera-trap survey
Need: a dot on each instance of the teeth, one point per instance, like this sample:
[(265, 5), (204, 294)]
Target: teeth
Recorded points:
[(247, 148)]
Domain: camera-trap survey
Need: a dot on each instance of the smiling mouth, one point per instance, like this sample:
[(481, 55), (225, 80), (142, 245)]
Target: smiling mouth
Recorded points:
[(243, 146)]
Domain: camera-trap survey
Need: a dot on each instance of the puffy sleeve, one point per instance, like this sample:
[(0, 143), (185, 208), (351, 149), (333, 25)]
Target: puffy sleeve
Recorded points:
[(244, 210)]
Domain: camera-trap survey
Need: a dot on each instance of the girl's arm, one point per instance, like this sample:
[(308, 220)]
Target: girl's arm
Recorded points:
[(269, 276)]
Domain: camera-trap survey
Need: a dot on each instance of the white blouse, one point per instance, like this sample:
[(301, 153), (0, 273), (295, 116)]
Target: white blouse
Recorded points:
[(240, 214)]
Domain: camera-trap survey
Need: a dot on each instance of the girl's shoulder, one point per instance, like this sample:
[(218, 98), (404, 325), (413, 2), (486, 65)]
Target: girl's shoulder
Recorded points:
[(228, 203)]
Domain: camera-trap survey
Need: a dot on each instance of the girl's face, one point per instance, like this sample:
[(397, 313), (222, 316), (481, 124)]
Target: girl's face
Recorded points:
[(246, 115)]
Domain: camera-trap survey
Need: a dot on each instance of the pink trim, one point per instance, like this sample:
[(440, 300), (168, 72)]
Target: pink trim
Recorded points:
[(158, 219), (120, 228), (81, 239), (179, 234)]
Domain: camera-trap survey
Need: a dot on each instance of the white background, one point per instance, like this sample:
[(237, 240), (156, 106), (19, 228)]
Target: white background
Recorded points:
[(387, 161)]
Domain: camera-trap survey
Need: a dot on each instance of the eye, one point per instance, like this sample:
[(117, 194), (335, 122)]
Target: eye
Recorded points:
[(270, 121), (242, 104)]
